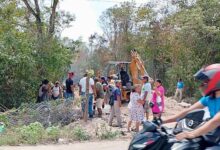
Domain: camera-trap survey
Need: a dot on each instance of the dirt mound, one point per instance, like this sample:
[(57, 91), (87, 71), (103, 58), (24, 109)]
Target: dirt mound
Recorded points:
[(97, 124)]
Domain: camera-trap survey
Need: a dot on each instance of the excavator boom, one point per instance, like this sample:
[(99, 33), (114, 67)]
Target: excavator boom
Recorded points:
[(137, 68)]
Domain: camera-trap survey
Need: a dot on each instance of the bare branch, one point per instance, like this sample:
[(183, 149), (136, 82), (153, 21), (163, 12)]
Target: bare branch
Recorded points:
[(36, 15), (52, 17), (29, 7), (37, 7)]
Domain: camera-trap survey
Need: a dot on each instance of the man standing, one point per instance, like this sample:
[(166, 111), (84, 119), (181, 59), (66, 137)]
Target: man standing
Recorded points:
[(124, 77), (87, 88), (43, 94), (146, 94), (115, 109), (179, 90), (70, 87), (99, 97)]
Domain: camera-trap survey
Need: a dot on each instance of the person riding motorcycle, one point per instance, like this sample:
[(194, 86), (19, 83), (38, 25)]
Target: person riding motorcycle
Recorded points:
[(210, 77)]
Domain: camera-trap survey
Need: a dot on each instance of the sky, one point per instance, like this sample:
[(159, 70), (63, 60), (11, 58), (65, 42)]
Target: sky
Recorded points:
[(87, 13)]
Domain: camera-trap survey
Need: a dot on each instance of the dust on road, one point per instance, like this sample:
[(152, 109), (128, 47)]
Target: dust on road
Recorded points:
[(99, 145)]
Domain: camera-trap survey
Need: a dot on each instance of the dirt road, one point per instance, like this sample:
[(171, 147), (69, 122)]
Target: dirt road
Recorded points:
[(120, 144), (99, 145)]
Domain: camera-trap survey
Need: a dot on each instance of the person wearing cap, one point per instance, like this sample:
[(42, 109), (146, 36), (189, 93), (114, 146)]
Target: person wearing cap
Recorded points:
[(103, 81), (56, 91), (115, 109), (99, 96), (146, 94), (91, 91)]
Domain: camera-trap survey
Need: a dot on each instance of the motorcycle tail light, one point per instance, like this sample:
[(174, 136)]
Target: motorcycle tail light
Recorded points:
[(149, 142)]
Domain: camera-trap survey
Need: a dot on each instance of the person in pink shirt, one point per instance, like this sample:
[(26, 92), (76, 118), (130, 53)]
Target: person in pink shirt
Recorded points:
[(157, 102)]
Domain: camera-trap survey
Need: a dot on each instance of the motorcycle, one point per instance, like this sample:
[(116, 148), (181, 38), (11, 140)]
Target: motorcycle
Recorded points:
[(156, 137)]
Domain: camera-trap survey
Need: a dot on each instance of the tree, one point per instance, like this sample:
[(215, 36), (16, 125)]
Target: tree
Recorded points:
[(25, 62)]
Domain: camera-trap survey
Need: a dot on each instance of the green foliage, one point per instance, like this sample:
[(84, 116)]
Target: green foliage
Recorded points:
[(32, 133), (173, 44), (26, 59), (9, 138), (4, 119), (53, 133), (80, 134)]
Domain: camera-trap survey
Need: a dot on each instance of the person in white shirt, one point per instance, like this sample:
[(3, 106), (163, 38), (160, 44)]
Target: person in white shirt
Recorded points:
[(91, 93), (56, 91), (146, 94)]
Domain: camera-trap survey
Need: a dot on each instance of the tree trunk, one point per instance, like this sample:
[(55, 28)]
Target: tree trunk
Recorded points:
[(53, 18)]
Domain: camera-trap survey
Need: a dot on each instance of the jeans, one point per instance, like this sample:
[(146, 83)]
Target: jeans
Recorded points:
[(90, 104), (69, 96)]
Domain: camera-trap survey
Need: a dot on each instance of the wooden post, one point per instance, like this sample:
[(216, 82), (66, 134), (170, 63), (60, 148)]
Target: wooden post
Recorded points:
[(85, 115)]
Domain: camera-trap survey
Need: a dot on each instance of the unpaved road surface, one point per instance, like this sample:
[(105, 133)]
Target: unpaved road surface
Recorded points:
[(99, 145)]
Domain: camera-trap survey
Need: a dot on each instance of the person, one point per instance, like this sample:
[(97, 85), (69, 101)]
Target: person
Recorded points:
[(136, 110), (109, 78), (91, 92), (104, 83), (146, 94), (158, 99), (124, 77), (69, 87), (210, 78), (56, 91), (99, 96), (103, 80), (179, 90), (115, 109), (108, 89), (43, 94)]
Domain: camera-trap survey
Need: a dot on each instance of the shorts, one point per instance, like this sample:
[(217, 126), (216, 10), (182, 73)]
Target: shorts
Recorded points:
[(99, 103), (146, 107)]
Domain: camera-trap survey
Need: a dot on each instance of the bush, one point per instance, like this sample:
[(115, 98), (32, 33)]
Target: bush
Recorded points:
[(4, 119), (105, 133), (9, 138), (53, 133), (32, 133), (80, 134)]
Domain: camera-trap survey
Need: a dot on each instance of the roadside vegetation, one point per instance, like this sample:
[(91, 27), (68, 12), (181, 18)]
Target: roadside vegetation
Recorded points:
[(35, 133)]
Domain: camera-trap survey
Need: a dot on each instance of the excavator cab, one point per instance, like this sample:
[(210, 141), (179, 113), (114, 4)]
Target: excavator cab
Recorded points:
[(128, 72), (121, 69)]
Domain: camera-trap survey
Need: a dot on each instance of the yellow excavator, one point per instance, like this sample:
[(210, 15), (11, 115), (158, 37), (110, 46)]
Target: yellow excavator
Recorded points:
[(128, 72)]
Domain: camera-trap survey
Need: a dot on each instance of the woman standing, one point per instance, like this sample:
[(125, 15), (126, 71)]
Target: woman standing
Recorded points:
[(157, 104), (136, 108)]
